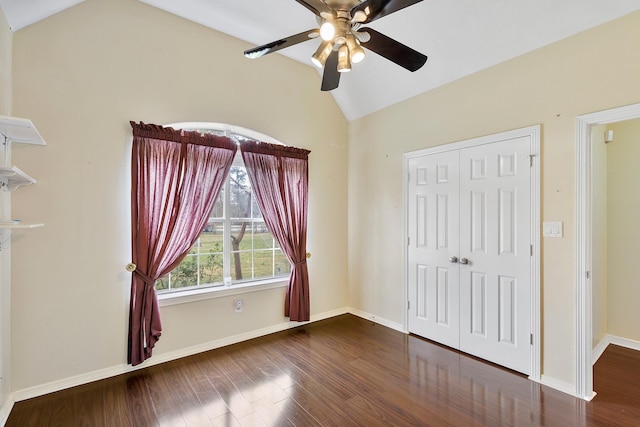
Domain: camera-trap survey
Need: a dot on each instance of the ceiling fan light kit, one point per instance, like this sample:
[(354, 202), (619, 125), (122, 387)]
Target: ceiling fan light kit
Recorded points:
[(320, 56), (344, 63), (343, 38), (356, 52)]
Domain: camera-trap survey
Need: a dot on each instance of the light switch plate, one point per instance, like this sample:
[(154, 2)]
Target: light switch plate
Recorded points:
[(552, 229)]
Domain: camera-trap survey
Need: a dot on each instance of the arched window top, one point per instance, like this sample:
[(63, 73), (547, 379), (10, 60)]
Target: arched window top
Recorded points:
[(237, 133)]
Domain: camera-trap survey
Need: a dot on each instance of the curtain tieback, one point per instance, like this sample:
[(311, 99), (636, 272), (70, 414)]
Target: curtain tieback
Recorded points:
[(148, 280), (300, 263)]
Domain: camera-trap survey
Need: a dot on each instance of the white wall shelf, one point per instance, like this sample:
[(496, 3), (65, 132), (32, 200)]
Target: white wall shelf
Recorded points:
[(15, 129), (11, 177), (11, 226)]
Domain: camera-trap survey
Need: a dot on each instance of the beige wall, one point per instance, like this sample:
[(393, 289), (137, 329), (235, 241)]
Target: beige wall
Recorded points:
[(600, 232), (550, 87), (81, 75), (624, 230), (6, 39)]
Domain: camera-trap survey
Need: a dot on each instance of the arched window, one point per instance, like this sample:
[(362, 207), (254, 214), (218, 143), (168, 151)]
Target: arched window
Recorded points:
[(235, 247)]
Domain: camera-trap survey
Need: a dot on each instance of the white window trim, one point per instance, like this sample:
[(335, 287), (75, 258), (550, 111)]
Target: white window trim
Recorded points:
[(228, 129), (210, 292)]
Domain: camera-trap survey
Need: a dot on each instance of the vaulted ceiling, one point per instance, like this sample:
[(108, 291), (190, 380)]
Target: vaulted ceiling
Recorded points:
[(460, 37)]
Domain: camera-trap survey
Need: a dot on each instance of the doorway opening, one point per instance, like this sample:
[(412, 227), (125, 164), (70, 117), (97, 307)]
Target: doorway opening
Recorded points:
[(585, 239)]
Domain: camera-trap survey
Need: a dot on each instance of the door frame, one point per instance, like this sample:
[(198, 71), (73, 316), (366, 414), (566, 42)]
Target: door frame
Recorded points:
[(533, 132), (583, 287)]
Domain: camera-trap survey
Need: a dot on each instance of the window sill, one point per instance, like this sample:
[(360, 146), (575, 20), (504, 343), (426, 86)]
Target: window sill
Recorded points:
[(182, 297)]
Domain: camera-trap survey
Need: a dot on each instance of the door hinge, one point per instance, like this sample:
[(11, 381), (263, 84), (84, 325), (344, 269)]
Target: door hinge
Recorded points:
[(531, 339), (408, 241), (530, 250), (408, 305), (531, 156), (587, 274)]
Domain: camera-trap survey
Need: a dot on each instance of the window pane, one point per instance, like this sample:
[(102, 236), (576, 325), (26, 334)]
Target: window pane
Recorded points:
[(261, 236), (211, 269), (218, 207), (186, 274), (211, 239), (162, 284), (211, 253), (255, 210), (241, 238), (241, 266), (282, 264), (240, 193), (263, 264)]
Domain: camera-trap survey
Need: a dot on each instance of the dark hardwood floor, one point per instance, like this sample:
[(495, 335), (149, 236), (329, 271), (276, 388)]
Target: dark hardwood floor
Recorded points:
[(344, 371)]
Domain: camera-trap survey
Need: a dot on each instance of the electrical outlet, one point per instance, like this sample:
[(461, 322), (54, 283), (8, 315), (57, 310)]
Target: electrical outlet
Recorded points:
[(238, 304)]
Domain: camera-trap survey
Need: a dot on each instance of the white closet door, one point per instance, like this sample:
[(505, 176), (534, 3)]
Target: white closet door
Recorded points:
[(469, 261), (433, 239), (495, 288)]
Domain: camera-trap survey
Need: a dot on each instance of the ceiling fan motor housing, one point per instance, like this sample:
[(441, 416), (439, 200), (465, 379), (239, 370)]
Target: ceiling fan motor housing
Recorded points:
[(343, 27)]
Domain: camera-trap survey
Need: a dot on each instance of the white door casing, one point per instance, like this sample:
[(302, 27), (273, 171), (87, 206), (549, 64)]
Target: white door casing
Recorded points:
[(498, 232), (583, 288)]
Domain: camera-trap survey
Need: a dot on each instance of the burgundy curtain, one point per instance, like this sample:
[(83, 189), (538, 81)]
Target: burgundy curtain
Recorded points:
[(279, 177), (175, 179)]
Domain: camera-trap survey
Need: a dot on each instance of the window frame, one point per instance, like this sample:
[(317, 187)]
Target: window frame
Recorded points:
[(202, 292)]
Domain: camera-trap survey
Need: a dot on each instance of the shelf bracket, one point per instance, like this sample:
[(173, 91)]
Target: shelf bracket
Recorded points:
[(5, 150), (5, 236)]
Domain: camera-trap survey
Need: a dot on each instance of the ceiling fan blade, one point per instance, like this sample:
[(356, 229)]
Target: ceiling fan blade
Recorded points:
[(394, 51), (259, 51), (380, 8), (330, 75), (317, 6)]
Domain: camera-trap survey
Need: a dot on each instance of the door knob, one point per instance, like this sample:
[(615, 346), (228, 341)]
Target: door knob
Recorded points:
[(453, 259), (464, 261)]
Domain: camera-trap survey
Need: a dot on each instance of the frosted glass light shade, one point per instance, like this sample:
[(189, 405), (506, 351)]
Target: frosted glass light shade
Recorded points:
[(344, 63), (356, 52), (321, 54), (327, 31)]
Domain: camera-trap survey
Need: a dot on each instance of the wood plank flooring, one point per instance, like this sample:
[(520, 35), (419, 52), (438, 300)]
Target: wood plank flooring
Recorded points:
[(344, 371)]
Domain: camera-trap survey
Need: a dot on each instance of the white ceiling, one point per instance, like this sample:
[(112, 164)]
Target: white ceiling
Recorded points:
[(460, 37)]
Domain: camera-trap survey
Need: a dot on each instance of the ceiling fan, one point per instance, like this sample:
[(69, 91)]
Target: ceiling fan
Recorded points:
[(343, 37)]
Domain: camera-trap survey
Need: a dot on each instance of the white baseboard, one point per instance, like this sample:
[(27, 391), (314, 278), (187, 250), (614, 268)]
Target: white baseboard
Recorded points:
[(599, 349), (6, 410), (624, 342), (100, 374), (559, 385), (376, 319), (616, 340), (597, 352)]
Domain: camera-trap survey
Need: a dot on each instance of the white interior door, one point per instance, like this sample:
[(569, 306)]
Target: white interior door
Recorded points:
[(468, 258), (495, 253), (433, 240)]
